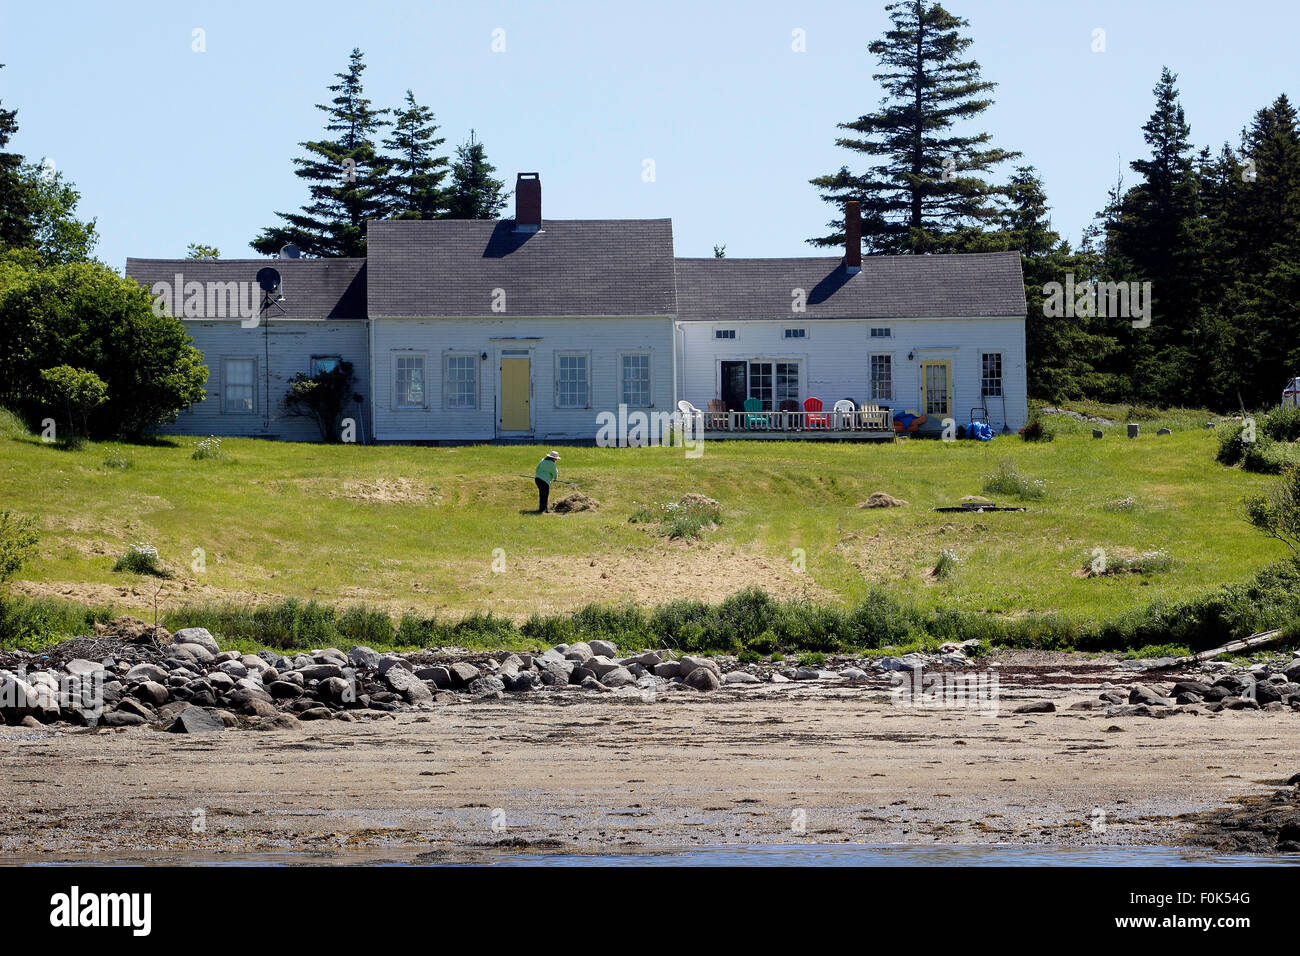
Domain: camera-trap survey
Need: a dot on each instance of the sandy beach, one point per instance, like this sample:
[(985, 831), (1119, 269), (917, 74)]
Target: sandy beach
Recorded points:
[(815, 762)]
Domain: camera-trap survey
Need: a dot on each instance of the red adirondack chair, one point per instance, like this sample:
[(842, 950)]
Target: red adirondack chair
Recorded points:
[(815, 421)]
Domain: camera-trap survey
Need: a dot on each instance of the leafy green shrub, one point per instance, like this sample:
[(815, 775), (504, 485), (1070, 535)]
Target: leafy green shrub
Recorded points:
[(1277, 513), (115, 459), (815, 659), (1037, 431), (18, 540), (31, 624), (322, 398), (208, 448), (947, 564), (746, 614), (1009, 481), (12, 425), (141, 558), (1147, 562), (1232, 445), (881, 621), (749, 657), (625, 625), (765, 643), (83, 313), (76, 392), (1282, 424)]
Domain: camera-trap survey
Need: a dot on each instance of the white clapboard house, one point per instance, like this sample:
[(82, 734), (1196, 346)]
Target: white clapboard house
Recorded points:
[(532, 330)]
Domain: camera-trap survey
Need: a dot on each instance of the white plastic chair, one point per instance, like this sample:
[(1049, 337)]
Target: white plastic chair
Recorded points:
[(842, 407)]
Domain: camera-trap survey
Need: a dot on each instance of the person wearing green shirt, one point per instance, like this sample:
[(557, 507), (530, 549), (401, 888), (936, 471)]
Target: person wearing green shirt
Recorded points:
[(547, 472)]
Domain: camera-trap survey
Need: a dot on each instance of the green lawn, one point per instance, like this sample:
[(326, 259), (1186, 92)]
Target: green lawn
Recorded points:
[(411, 527)]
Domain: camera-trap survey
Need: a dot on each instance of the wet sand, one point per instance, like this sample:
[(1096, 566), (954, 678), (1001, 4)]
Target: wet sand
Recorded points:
[(815, 762)]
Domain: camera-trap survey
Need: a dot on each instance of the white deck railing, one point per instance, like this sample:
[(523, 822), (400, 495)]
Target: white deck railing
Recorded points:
[(875, 420)]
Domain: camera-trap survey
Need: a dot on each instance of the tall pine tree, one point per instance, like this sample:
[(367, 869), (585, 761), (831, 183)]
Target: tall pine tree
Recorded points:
[(14, 227), (474, 193), (416, 172), (929, 181), (347, 177)]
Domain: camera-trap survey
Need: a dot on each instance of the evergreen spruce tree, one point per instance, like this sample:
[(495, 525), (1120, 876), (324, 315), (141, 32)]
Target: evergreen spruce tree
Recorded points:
[(929, 181), (14, 227), (474, 193), (347, 177), (415, 171)]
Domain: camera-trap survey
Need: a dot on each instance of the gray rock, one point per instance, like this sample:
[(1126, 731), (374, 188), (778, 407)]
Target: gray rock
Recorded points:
[(619, 676), (600, 665), (258, 708), (80, 667), (489, 684), (335, 690), (462, 673), (440, 676), (362, 656), (519, 683), (401, 681), (668, 669), (199, 636), (285, 690), (689, 663), (604, 649), (1036, 707), (151, 692), (703, 678), (647, 659), (120, 718), (805, 673), (579, 652), (147, 672), (389, 661), (280, 721), (590, 683), (316, 713), (321, 671), (741, 677), (849, 673), (198, 720)]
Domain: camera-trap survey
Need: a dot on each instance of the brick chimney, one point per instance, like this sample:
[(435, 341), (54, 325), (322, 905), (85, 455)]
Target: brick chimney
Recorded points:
[(852, 237), (528, 202)]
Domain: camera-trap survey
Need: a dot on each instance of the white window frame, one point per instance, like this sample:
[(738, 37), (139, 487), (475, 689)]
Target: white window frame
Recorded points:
[(399, 406), (800, 333), (650, 378), (225, 362), (871, 384), (447, 356), (1002, 373), (727, 334), (886, 332), (586, 397)]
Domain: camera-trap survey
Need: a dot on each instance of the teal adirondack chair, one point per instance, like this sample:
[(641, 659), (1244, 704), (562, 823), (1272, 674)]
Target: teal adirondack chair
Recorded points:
[(755, 421)]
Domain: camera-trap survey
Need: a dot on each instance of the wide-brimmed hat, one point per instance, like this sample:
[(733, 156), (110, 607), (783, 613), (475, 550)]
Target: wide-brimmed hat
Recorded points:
[(553, 455)]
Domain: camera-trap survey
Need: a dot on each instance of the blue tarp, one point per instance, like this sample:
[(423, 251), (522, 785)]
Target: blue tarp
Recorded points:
[(980, 431)]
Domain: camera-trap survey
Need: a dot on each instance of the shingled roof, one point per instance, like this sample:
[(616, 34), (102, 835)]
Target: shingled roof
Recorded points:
[(888, 287), (452, 267), (312, 288)]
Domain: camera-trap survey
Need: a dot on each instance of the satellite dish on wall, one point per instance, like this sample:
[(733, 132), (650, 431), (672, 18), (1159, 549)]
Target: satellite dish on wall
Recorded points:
[(290, 251), (269, 281)]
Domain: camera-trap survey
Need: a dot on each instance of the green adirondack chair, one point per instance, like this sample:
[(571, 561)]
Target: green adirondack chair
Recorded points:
[(755, 421)]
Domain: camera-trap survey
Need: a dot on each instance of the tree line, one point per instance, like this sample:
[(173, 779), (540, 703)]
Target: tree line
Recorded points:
[(354, 177), (1206, 242)]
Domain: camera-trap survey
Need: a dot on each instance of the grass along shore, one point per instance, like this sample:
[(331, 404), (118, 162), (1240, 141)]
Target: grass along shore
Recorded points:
[(413, 533)]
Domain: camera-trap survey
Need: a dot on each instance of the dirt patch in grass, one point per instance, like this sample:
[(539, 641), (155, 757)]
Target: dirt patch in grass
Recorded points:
[(576, 502), (402, 491)]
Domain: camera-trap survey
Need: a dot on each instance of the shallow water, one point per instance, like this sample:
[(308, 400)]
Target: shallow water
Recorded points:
[(767, 855)]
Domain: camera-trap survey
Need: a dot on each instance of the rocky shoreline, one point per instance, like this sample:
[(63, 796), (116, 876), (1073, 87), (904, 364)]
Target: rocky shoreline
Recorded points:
[(135, 675)]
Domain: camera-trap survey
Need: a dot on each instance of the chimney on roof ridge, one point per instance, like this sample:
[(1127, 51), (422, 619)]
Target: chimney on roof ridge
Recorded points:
[(528, 202), (852, 237)]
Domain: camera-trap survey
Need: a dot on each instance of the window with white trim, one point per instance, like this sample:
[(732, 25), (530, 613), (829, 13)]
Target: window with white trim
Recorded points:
[(882, 377), (409, 381), (460, 380), (796, 333), (572, 379), (636, 380), (239, 386), (881, 333), (991, 374), (724, 333)]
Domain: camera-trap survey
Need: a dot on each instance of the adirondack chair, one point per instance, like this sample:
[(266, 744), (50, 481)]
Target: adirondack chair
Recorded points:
[(846, 409), (718, 417), (691, 415), (873, 417), (815, 421), (752, 420)]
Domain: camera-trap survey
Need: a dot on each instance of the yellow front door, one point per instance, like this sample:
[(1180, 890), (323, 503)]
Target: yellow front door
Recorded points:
[(516, 415), (936, 388)]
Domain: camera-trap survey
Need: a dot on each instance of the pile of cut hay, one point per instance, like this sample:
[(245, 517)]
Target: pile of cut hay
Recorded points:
[(879, 499), (574, 503)]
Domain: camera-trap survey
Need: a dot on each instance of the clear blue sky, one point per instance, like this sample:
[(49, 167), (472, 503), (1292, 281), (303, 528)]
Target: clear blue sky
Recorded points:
[(169, 146)]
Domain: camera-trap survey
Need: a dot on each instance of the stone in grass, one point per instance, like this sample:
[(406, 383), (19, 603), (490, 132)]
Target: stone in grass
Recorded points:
[(198, 720), (1036, 707), (702, 678)]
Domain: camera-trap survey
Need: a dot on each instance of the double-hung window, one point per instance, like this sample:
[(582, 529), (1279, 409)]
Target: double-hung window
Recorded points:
[(239, 386), (572, 380), (882, 377), (991, 374), (460, 381), (635, 389), (409, 382)]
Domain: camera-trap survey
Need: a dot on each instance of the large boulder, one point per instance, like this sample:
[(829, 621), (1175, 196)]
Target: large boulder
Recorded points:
[(199, 636), (362, 656), (462, 673), (703, 678), (603, 648), (320, 671), (618, 676), (151, 692), (198, 720), (150, 672), (401, 681)]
